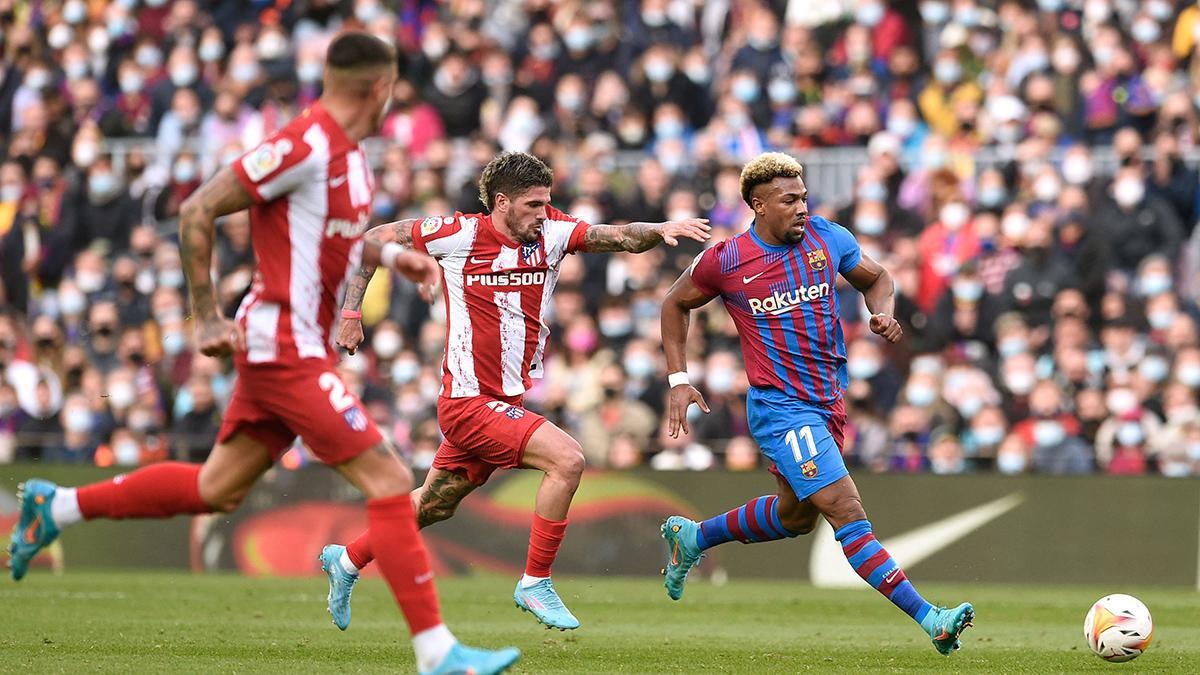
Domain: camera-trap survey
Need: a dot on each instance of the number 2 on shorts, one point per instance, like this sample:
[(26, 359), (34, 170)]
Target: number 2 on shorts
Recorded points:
[(338, 398), (793, 439)]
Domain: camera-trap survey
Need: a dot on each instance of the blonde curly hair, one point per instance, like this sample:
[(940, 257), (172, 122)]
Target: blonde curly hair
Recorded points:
[(766, 168)]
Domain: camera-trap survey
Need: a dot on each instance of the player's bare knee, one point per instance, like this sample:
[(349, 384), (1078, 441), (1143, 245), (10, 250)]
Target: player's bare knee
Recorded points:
[(846, 510), (570, 462), (798, 525), (223, 500)]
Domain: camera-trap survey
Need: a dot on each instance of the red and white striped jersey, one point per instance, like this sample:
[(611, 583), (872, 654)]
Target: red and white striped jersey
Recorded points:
[(312, 193), (497, 292)]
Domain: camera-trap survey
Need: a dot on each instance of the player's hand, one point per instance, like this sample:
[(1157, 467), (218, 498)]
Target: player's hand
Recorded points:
[(887, 326), (681, 398), (692, 228), (219, 336), (422, 271), (350, 335)]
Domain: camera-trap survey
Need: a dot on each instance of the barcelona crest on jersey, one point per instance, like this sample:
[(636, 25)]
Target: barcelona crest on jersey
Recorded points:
[(816, 260)]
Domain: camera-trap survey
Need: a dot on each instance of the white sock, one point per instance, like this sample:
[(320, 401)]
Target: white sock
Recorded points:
[(64, 508), (527, 581), (346, 564), (431, 646)]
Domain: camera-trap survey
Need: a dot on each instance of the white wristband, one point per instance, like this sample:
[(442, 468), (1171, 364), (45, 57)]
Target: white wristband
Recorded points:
[(676, 379), (389, 253)]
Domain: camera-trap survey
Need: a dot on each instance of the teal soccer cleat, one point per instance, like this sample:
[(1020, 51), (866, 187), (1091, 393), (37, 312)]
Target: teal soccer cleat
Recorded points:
[(543, 602), (463, 660), (680, 534), (36, 529), (946, 625), (341, 584)]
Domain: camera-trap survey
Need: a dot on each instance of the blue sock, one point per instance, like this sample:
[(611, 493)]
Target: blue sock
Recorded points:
[(877, 568), (755, 521)]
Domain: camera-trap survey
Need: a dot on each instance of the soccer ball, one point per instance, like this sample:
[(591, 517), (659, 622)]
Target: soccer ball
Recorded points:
[(1118, 627)]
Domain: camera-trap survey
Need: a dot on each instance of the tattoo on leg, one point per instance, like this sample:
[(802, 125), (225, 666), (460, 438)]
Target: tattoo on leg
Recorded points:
[(441, 496)]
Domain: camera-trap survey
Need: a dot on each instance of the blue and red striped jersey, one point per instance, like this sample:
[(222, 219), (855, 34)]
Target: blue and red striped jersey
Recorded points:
[(783, 301)]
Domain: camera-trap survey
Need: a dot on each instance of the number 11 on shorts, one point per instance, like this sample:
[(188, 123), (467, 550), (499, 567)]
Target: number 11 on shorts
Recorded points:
[(793, 439)]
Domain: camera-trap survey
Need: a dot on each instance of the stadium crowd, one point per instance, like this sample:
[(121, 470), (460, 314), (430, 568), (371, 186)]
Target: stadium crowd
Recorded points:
[(1049, 305)]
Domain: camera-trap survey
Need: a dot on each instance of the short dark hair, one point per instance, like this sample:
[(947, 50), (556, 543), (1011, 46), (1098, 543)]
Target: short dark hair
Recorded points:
[(356, 49), (512, 173)]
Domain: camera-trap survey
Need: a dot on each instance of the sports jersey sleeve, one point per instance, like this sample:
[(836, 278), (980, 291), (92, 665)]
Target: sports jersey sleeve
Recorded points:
[(706, 273), (563, 233), (277, 166), (848, 251), (438, 236)]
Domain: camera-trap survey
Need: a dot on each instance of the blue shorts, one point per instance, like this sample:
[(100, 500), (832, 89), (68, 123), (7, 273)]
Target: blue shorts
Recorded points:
[(803, 439)]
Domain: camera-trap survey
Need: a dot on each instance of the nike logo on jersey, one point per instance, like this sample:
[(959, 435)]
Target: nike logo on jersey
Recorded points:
[(746, 280), (477, 261), (827, 566), (337, 182)]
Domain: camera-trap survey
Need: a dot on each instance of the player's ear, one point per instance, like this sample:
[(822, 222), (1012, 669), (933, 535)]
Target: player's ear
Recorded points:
[(500, 202)]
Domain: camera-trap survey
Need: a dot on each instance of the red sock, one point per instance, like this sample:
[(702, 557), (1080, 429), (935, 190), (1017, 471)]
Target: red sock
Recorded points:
[(403, 560), (155, 491), (544, 539), (359, 551)]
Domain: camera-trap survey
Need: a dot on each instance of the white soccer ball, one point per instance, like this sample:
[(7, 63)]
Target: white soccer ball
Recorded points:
[(1118, 627)]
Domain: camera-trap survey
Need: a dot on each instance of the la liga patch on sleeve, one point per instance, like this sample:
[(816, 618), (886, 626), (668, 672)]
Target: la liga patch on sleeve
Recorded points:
[(266, 158)]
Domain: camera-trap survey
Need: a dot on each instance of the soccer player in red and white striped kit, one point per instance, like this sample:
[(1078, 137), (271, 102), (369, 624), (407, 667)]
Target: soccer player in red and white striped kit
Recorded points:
[(309, 191)]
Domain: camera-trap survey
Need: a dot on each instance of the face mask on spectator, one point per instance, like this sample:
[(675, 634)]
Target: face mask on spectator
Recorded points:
[(872, 226), (127, 452), (78, 420), (668, 127), (988, 436), (1077, 170), (183, 74), (697, 73), (144, 282), (578, 39), (1120, 401), (632, 133), (75, 70), (1014, 226), (581, 340), (1048, 433), (131, 83), (1046, 188), (869, 14), (1193, 451), (11, 193), (546, 52), (1019, 383), (184, 171), (1065, 59), (1145, 31), (920, 395), (271, 46), (1189, 374), (992, 196), (366, 11), (117, 26), (570, 100), (719, 380), (933, 159), (89, 282), (616, 326), (659, 70), (1130, 434), (71, 303), (761, 42), (310, 71), (98, 41), (174, 342), (872, 191), (211, 50), (954, 215), (405, 371), (1154, 369), (1050, 5), (781, 91), (901, 126), (244, 72), (386, 344), (170, 278), (745, 89), (1172, 469), (947, 72), (967, 290), (102, 187), (74, 12), (85, 154), (1010, 463), (1153, 284), (59, 36), (863, 369), (969, 406), (148, 57), (639, 366), (121, 395), (935, 12)]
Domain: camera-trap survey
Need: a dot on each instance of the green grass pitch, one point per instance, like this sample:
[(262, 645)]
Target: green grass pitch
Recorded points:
[(178, 623)]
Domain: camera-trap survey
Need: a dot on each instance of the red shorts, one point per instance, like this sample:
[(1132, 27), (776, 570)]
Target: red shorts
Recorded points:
[(275, 403), (483, 433)]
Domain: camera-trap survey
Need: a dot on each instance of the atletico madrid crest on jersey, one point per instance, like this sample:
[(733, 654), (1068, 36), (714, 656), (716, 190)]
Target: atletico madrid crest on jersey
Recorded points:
[(531, 254), (510, 411), (816, 259), (356, 419), (809, 469)]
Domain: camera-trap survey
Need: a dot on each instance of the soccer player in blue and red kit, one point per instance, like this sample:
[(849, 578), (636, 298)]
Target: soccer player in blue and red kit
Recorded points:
[(777, 282)]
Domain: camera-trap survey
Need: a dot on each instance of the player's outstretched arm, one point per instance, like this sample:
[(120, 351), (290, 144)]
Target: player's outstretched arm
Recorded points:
[(639, 237), (879, 291), (219, 196), (677, 308)]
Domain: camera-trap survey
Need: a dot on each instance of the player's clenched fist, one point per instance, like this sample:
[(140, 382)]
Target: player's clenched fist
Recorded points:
[(682, 396), (887, 326), (692, 228), (219, 336), (350, 335), (421, 270)]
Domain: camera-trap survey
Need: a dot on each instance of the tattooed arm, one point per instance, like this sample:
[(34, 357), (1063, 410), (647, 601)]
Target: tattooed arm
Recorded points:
[(399, 232), (640, 237), (221, 195)]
